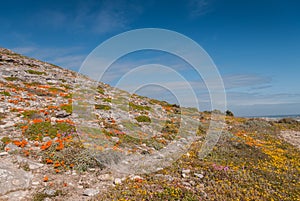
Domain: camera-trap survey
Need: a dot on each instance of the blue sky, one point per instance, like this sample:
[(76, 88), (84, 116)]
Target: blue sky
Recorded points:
[(254, 44)]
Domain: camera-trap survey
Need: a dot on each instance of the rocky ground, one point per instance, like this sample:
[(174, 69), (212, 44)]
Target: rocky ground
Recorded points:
[(111, 145)]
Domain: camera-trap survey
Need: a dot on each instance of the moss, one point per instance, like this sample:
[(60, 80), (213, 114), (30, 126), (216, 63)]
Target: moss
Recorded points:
[(6, 140), (35, 72), (100, 90), (68, 108), (5, 93), (11, 79), (143, 119), (39, 130), (41, 196), (29, 114), (107, 100), (138, 107), (54, 89), (102, 107)]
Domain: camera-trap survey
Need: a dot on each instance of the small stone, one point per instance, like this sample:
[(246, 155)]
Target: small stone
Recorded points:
[(34, 166), (62, 114), (199, 175), (11, 147), (136, 177), (192, 183), (115, 139), (35, 183), (50, 192), (46, 139), (90, 192), (3, 153), (186, 183), (186, 171), (117, 181), (105, 177)]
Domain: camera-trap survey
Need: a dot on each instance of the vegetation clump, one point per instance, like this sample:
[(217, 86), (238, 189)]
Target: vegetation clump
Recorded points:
[(102, 107), (5, 93), (35, 72), (138, 107), (143, 118)]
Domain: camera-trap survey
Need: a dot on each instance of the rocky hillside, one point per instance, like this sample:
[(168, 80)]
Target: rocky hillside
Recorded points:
[(66, 137)]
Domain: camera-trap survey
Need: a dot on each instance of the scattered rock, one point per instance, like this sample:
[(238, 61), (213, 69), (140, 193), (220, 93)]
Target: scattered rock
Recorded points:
[(62, 114), (11, 148), (3, 153), (46, 139), (117, 181), (31, 164), (106, 177), (90, 192), (199, 175), (186, 171), (50, 192), (13, 179), (136, 177)]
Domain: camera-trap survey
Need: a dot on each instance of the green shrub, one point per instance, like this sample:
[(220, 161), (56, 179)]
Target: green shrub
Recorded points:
[(29, 114), (143, 119), (107, 100), (5, 93), (35, 72), (100, 90), (138, 107), (229, 113), (37, 131), (11, 78), (102, 107), (6, 140), (68, 108)]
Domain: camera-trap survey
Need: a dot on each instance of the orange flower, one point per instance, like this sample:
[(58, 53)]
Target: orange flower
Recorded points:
[(46, 178), (24, 128), (65, 184), (60, 146), (56, 164), (23, 143), (37, 121), (49, 161), (46, 145), (57, 170), (26, 152), (18, 143), (71, 165)]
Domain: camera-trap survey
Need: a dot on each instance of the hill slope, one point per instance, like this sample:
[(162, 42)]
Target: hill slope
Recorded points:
[(50, 149)]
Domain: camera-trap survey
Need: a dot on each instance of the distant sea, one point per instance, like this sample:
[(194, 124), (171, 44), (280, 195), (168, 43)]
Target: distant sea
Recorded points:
[(277, 117)]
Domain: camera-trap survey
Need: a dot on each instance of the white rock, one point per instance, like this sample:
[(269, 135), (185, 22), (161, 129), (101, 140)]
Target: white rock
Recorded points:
[(199, 175), (46, 139), (3, 153), (105, 177), (90, 192), (186, 171), (117, 181)]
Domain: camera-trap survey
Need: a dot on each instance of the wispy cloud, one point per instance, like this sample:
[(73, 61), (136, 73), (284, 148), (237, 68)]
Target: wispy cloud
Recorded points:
[(245, 80), (99, 17), (199, 7)]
